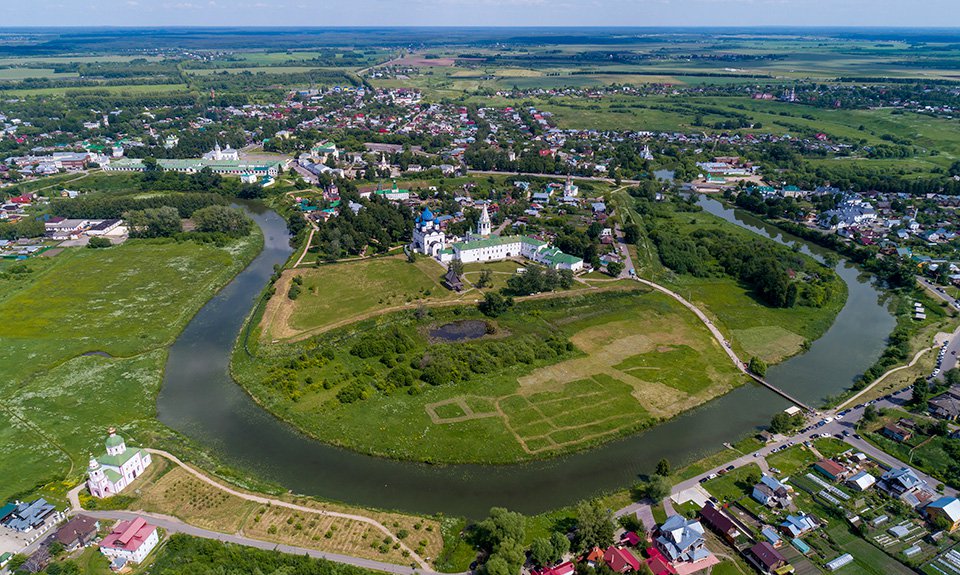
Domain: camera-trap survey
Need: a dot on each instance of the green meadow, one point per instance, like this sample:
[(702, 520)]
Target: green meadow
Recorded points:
[(127, 304)]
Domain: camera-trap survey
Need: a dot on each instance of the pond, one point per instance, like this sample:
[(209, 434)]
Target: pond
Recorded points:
[(459, 331)]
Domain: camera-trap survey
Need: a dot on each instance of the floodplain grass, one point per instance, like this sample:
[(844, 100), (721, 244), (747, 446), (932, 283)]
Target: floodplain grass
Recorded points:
[(521, 412), (24, 73), (128, 302)]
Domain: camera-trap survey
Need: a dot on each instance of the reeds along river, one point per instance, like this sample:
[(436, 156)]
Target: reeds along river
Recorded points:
[(200, 400)]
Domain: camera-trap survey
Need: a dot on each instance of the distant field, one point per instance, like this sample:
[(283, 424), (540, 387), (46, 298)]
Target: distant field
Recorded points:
[(24, 73), (257, 70), (43, 61), (131, 89)]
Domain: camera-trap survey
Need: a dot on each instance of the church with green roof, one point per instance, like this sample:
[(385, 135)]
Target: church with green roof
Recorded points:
[(109, 474)]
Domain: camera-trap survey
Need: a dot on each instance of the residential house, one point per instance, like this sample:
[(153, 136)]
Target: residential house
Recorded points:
[(130, 540), (904, 484), (862, 481), (620, 560), (78, 532), (681, 540), (946, 405), (797, 525), (767, 559), (27, 516), (717, 520), (565, 568), (772, 493), (896, 433), (946, 508), (831, 469)]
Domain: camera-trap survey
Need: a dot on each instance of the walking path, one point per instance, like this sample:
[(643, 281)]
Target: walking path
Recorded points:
[(74, 497), (859, 394)]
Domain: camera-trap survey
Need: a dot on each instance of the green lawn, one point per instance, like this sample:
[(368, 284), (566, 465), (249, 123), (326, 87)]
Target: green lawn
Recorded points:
[(128, 302), (345, 290)]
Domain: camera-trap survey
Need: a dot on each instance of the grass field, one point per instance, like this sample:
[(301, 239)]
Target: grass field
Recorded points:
[(641, 358), (24, 73), (346, 291), (127, 302), (127, 89)]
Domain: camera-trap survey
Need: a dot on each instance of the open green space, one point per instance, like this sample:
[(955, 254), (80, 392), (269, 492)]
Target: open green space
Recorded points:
[(125, 89), (602, 366), (127, 303)]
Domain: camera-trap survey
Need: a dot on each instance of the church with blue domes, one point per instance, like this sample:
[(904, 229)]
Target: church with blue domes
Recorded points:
[(428, 238)]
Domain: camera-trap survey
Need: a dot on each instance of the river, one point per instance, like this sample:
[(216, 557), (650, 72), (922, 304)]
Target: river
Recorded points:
[(200, 400)]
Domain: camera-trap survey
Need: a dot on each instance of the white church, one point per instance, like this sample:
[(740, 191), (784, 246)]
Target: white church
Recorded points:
[(484, 246), (109, 474), (219, 154)]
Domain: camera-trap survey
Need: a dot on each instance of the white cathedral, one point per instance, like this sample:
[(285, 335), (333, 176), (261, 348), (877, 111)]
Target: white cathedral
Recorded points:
[(484, 246), (219, 154)]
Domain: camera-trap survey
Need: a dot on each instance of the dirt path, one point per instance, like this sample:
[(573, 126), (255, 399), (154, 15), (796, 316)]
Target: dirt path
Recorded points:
[(74, 497), (877, 381)]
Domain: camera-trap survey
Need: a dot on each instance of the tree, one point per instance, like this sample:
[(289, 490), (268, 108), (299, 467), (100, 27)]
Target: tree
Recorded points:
[(870, 414), (98, 243), (654, 488), (566, 280), (757, 366), (541, 551), (663, 467), (222, 219), (594, 525), (921, 392), (456, 266), (631, 233), (154, 222), (502, 525), (630, 522), (784, 423), (560, 543), (614, 269), (494, 304), (485, 279)]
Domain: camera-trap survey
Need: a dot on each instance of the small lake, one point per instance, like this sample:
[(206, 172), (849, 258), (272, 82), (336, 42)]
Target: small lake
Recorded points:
[(459, 331), (201, 400)]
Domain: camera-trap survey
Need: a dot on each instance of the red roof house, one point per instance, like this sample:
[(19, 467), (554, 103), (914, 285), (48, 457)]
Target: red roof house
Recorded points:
[(620, 560), (130, 540), (658, 564), (565, 568)]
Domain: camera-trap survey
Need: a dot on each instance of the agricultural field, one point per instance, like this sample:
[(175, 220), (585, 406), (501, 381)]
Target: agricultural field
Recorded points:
[(84, 346), (126, 89), (170, 490), (638, 358), (24, 73)]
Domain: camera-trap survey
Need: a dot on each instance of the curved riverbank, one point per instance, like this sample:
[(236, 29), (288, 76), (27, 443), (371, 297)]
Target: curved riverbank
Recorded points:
[(200, 400)]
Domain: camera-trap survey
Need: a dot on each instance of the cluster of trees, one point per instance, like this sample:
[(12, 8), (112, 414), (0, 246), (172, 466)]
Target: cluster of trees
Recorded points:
[(500, 536), (162, 222), (535, 279), (185, 555), (221, 219), (755, 264), (380, 225), (103, 206), (782, 422)]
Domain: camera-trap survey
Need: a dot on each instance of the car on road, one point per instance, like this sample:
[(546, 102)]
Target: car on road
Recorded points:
[(731, 467), (857, 436)]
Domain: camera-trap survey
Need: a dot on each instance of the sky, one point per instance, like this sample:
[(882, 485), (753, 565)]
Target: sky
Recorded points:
[(935, 13)]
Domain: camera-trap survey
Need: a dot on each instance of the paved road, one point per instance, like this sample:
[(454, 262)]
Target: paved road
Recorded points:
[(935, 291), (534, 175), (835, 427), (174, 525)]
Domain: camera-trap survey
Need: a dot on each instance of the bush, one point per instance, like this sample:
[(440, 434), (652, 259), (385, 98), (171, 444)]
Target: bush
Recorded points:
[(98, 243)]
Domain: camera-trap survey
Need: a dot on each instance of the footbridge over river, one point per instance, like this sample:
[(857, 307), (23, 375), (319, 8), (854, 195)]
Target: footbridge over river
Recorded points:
[(724, 343)]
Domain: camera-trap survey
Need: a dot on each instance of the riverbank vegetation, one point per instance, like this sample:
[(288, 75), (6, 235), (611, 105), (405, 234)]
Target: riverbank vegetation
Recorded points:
[(547, 376), (771, 300)]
